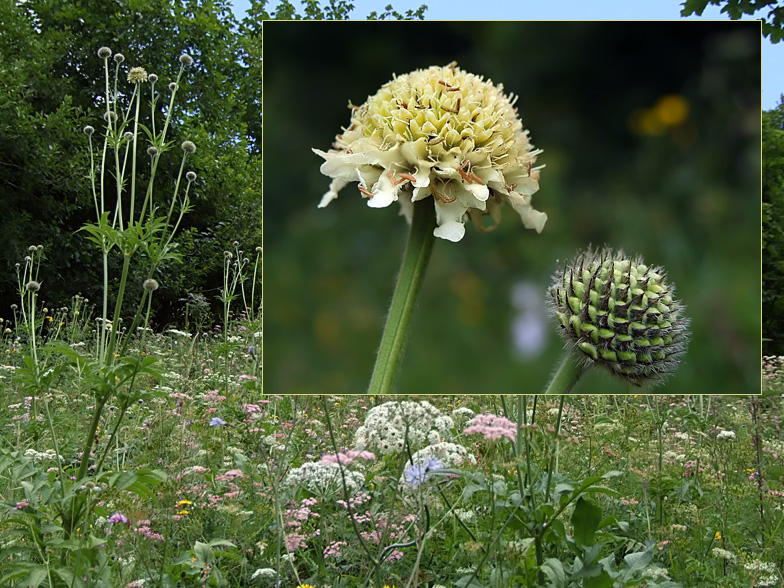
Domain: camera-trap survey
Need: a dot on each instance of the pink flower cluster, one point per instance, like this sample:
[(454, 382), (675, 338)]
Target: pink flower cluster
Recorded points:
[(333, 549), (295, 541), (348, 457), (143, 527), (492, 427), (230, 475), (251, 408)]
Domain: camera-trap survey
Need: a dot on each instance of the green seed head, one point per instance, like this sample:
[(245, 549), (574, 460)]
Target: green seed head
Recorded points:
[(620, 313)]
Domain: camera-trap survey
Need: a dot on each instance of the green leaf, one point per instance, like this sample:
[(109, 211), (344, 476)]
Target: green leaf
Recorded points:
[(202, 551), (636, 562), (36, 577), (553, 569), (585, 519), (603, 580), (469, 582), (471, 489)]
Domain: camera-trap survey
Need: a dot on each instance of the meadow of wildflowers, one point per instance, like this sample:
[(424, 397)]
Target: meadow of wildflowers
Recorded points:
[(130, 457), (208, 482)]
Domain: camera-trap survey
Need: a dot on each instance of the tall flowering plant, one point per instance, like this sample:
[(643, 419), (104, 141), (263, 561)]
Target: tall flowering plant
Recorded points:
[(449, 147), (132, 224)]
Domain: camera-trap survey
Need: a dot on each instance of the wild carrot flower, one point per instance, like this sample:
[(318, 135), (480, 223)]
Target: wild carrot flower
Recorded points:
[(324, 479), (264, 573), (388, 425), (443, 133)]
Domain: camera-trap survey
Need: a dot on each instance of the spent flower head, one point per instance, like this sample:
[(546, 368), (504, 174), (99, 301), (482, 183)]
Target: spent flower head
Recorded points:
[(186, 60), (188, 146), (150, 285), (620, 313), (104, 53), (439, 132)]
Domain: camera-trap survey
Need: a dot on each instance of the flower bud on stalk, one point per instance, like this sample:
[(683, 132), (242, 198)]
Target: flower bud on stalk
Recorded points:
[(619, 313)]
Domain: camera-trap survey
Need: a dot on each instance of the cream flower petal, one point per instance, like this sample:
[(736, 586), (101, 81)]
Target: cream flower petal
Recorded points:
[(532, 219), (449, 217), (384, 192), (335, 186), (480, 192)]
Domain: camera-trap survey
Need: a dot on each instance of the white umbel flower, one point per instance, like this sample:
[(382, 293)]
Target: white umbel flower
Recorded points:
[(439, 132)]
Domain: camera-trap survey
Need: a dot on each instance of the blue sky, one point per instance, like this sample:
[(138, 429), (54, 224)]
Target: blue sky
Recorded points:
[(772, 55)]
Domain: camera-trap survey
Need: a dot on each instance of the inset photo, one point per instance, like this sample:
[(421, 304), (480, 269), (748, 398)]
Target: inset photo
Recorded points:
[(512, 207)]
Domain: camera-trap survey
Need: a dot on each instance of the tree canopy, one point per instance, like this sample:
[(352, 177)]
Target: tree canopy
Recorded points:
[(772, 24)]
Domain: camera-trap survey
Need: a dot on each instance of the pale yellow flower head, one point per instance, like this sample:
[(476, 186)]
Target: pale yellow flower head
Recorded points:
[(137, 75), (442, 133)]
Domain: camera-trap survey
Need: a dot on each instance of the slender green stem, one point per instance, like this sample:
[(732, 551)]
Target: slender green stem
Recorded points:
[(409, 282), (554, 454), (566, 375), (351, 515), (138, 93)]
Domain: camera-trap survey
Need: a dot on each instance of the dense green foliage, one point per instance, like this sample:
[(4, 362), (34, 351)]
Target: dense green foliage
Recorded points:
[(772, 26), (51, 78), (772, 230)]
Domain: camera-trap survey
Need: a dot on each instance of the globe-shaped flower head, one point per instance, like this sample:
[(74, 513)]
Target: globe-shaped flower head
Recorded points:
[(442, 133), (621, 314)]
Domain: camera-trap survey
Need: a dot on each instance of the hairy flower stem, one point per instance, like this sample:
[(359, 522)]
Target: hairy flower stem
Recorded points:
[(566, 375), (409, 282)]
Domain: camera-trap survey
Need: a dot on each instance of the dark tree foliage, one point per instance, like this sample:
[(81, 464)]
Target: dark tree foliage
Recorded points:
[(772, 26), (51, 85), (772, 231)]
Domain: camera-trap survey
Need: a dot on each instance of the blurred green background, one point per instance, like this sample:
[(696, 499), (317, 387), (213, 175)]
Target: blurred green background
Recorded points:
[(651, 138)]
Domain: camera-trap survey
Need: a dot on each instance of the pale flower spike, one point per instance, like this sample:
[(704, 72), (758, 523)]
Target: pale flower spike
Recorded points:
[(439, 132)]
